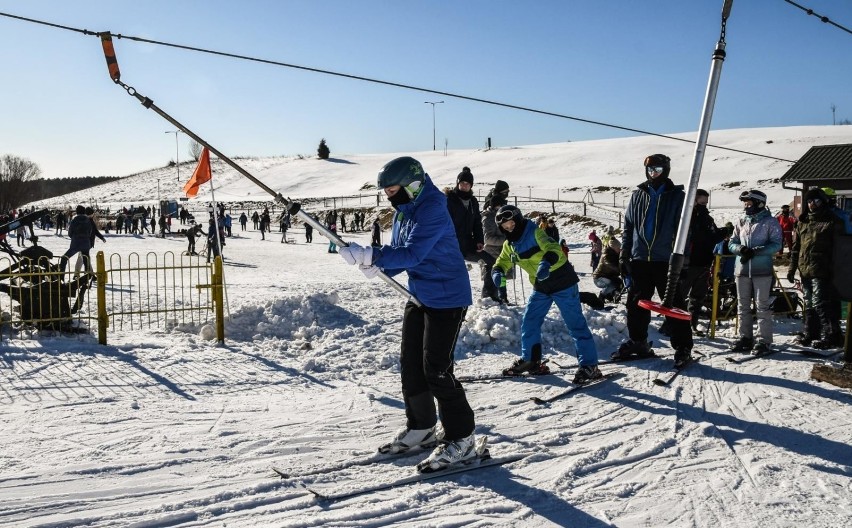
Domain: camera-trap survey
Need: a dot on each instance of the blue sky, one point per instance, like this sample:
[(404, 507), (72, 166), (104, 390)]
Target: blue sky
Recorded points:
[(637, 64)]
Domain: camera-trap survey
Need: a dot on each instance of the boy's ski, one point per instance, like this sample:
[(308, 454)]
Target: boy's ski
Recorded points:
[(481, 462), (501, 376), (575, 388)]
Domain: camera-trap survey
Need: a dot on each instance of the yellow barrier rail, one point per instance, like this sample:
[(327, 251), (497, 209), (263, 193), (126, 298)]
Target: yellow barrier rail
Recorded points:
[(133, 292)]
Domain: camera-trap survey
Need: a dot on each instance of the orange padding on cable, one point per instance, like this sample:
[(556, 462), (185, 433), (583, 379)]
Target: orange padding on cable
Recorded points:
[(109, 55)]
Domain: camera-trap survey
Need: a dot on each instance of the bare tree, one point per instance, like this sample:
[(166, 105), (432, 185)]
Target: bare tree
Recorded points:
[(195, 149), (15, 172)]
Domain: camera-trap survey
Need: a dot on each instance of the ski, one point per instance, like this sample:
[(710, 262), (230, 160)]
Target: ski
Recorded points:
[(374, 458), (664, 382), (574, 389), (745, 358), (502, 377), (481, 462)]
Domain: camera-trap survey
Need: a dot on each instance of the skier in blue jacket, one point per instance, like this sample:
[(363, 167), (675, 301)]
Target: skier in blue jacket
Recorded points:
[(424, 244), (554, 281)]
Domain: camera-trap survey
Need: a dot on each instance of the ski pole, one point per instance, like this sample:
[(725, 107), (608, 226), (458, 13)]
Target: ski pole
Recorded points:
[(294, 208)]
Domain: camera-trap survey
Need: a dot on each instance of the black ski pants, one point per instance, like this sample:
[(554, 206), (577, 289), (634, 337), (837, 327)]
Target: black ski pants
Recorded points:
[(428, 343), (647, 278), (489, 290), (695, 283)]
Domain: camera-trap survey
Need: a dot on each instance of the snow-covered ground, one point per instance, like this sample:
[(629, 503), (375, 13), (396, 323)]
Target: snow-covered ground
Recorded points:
[(163, 428)]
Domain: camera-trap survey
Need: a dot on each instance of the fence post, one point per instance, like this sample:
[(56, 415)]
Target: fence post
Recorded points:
[(103, 319), (218, 299), (584, 208)]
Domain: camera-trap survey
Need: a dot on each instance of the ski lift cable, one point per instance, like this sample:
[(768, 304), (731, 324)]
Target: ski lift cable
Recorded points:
[(823, 19), (393, 84)]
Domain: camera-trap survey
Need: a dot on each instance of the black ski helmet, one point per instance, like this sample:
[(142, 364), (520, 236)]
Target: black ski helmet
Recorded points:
[(510, 212), (658, 160), (401, 171)]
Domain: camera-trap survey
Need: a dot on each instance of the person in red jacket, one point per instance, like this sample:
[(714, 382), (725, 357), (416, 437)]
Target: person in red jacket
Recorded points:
[(788, 224)]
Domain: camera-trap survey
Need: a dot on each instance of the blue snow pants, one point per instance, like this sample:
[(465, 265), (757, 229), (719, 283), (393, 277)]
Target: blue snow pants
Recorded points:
[(568, 302)]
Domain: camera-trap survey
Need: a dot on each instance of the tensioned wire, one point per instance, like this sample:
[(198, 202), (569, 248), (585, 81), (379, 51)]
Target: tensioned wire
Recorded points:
[(407, 86)]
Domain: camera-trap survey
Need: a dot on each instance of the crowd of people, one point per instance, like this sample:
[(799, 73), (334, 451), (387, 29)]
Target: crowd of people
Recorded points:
[(434, 234)]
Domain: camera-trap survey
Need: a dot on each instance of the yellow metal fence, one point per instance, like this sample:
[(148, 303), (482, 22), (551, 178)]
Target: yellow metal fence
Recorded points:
[(126, 294)]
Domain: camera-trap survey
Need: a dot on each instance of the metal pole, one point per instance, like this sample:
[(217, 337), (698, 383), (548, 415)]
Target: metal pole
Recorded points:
[(293, 207), (177, 151), (433, 120), (677, 258)]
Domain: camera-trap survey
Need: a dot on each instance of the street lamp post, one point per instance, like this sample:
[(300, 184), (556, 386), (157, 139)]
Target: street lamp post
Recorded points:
[(433, 119), (177, 151)]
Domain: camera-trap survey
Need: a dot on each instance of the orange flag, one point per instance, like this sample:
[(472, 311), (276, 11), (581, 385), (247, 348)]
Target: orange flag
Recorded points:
[(201, 175)]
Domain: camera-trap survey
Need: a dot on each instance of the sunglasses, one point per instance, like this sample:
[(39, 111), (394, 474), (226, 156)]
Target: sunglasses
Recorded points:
[(505, 216), (655, 170)]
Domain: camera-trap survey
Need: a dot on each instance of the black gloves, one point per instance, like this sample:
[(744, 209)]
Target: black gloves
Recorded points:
[(746, 253), (624, 268)]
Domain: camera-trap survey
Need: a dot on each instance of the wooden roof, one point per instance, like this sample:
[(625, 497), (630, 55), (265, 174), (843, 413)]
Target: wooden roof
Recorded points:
[(825, 162)]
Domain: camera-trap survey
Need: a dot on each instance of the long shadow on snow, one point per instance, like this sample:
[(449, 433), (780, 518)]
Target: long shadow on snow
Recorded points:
[(108, 351), (792, 440), (281, 368)]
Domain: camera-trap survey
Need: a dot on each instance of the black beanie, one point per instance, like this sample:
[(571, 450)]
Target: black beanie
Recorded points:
[(465, 176), (501, 186), (815, 193)]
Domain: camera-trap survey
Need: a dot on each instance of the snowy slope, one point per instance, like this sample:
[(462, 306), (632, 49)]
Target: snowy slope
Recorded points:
[(162, 428)]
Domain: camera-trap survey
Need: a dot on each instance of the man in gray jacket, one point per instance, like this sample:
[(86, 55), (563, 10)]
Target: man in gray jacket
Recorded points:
[(757, 237)]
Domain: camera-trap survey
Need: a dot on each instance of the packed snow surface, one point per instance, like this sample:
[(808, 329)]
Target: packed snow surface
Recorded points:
[(168, 428)]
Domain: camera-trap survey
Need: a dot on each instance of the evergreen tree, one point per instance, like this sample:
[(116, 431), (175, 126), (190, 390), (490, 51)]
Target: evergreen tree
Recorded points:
[(323, 151)]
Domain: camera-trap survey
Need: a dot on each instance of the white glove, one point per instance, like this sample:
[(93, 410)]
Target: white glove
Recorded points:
[(355, 254), (370, 271)]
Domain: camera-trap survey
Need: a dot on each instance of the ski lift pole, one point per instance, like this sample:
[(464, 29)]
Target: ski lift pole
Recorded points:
[(677, 258), (293, 208)]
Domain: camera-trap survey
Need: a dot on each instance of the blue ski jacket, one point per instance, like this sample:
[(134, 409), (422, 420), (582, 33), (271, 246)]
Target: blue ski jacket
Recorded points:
[(659, 247), (424, 244)]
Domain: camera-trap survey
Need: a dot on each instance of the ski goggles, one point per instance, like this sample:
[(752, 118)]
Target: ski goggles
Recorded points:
[(815, 201), (505, 216), (754, 196), (655, 170)]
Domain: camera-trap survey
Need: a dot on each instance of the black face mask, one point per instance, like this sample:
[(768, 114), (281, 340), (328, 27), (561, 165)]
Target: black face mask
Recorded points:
[(657, 182), (400, 198), (464, 194), (700, 208)]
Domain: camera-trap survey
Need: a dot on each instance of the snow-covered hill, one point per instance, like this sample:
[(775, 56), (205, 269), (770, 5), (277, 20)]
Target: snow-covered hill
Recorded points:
[(163, 428)]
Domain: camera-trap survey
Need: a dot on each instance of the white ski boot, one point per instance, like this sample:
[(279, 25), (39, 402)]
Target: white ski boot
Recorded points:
[(407, 438)]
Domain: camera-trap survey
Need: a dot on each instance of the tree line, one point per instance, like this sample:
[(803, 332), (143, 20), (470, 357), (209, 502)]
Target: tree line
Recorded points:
[(21, 183)]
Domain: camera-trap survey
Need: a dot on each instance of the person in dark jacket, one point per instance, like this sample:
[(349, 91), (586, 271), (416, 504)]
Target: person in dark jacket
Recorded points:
[(424, 244), (191, 234), (467, 220), (376, 234), (551, 230), (554, 281), (703, 237), (81, 233), (650, 227), (813, 256), (309, 233), (607, 275), (492, 234)]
